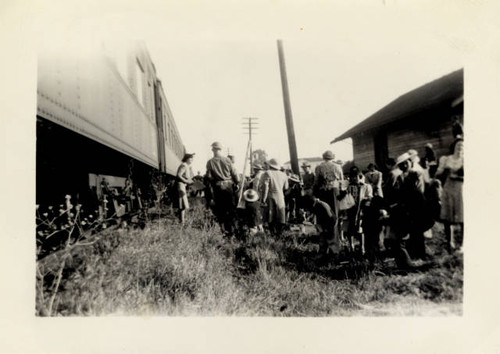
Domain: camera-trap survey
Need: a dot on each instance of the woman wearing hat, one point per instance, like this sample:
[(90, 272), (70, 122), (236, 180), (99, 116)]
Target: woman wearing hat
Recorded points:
[(275, 183), (374, 178), (184, 178)]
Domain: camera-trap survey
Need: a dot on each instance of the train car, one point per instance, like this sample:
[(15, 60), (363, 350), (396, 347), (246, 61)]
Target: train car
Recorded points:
[(102, 118), (170, 147)]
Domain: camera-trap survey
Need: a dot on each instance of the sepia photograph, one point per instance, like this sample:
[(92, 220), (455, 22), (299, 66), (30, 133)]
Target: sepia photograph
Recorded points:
[(242, 163), (197, 177)]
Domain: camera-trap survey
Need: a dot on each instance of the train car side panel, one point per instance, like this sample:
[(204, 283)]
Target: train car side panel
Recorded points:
[(91, 98)]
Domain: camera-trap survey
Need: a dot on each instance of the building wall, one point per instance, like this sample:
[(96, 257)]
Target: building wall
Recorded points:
[(411, 133), (363, 150), (400, 141)]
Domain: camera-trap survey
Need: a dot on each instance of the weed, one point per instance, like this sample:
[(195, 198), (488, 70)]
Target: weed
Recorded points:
[(169, 269)]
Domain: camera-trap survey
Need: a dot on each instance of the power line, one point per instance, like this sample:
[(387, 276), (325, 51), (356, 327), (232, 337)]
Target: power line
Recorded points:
[(250, 124)]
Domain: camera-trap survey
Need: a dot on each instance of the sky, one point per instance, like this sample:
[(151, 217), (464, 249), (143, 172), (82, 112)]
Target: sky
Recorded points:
[(344, 62), (212, 86)]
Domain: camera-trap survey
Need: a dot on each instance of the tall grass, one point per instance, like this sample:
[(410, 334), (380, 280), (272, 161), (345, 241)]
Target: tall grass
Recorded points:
[(174, 270)]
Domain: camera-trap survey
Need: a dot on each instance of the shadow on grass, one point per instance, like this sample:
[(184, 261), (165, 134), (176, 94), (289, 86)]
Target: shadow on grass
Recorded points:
[(295, 252)]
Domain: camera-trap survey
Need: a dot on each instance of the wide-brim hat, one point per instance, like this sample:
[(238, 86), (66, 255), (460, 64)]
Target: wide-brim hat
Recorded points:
[(328, 155), (273, 163), (294, 178), (187, 156), (402, 158), (251, 195), (216, 145), (413, 155), (257, 166)]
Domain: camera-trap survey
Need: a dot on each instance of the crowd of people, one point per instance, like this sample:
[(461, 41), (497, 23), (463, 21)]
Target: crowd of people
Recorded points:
[(367, 213)]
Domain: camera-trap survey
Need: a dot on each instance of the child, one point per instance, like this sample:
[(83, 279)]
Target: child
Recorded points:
[(252, 213)]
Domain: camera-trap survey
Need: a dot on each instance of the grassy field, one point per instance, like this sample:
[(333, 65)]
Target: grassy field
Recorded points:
[(166, 269)]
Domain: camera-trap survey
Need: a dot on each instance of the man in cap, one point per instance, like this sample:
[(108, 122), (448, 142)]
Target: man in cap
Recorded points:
[(223, 179), (327, 180), (275, 183), (184, 178), (307, 179)]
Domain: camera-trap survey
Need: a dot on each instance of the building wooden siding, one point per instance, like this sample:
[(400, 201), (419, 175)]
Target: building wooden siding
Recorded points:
[(435, 129), (414, 119), (363, 150), (401, 141)]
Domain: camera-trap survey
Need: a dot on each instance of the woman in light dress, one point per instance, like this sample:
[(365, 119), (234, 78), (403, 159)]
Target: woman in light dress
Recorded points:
[(451, 171)]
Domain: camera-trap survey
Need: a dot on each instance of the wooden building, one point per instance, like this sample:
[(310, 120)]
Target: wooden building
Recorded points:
[(420, 116)]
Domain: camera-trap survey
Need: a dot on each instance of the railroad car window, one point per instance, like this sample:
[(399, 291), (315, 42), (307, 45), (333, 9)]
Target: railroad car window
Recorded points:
[(139, 77), (150, 101), (168, 134)]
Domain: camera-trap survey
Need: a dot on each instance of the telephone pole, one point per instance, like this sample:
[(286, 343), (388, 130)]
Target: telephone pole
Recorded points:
[(294, 161), (249, 125)]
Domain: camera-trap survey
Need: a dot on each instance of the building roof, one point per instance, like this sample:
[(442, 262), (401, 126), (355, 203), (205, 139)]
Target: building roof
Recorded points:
[(447, 89)]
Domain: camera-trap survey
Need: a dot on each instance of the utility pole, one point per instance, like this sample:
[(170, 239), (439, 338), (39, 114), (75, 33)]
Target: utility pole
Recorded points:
[(294, 160), (249, 125)]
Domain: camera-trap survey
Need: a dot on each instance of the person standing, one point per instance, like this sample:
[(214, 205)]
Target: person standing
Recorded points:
[(327, 181), (400, 220), (456, 128), (362, 194), (252, 212), (275, 183), (184, 178), (451, 171), (292, 196), (430, 155), (416, 166), (390, 179), (411, 197), (223, 180), (374, 178), (307, 179), (328, 176), (256, 181)]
